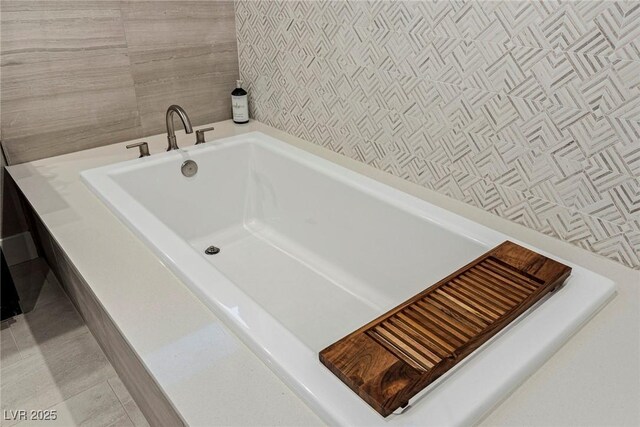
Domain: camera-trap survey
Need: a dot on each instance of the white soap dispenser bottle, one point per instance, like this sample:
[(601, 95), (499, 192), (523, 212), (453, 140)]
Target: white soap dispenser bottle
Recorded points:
[(240, 104)]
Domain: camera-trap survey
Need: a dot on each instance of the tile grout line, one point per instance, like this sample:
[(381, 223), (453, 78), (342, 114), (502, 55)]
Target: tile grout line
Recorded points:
[(133, 82), (13, 338), (69, 398), (120, 401), (81, 335)]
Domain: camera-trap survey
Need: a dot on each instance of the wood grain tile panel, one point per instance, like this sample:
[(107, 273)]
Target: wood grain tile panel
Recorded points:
[(128, 403), (66, 81), (172, 23), (12, 219), (182, 52), (98, 406), (52, 5), (30, 36), (9, 352), (198, 78), (85, 73), (60, 370)]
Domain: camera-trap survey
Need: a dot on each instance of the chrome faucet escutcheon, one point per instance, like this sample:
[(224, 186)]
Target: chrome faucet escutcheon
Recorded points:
[(171, 133)]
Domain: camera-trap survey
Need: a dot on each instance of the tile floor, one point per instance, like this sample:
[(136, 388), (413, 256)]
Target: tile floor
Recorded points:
[(50, 361)]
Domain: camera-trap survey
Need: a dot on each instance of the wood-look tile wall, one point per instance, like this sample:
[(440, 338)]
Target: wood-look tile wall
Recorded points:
[(77, 74), (12, 219)]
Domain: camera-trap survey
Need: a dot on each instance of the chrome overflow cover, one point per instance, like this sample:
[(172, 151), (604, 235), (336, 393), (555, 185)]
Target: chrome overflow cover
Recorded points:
[(189, 168), (212, 250)]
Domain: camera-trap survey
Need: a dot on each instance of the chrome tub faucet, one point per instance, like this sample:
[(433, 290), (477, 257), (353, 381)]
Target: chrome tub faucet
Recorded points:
[(171, 133)]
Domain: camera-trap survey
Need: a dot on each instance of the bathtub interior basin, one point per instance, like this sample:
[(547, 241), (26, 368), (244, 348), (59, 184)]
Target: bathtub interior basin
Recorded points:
[(310, 251), (323, 261)]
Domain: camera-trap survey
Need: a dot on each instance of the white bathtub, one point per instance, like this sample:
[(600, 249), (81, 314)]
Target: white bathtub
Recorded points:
[(310, 251)]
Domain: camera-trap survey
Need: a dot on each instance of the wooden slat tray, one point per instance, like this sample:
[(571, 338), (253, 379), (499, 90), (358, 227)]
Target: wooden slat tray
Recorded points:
[(394, 357)]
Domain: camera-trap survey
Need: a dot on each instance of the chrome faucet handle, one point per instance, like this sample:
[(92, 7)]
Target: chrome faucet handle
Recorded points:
[(143, 146), (200, 134)]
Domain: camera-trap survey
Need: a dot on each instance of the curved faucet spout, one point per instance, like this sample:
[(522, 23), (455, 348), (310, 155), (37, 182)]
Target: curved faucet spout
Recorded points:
[(171, 133)]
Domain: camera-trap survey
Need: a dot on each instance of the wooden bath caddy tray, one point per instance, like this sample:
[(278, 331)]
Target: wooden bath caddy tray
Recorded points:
[(394, 357)]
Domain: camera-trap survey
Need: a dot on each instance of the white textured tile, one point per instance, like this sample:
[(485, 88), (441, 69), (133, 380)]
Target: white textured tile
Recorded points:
[(539, 77)]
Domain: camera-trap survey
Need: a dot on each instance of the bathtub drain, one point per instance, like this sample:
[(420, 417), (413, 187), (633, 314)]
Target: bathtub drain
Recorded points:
[(212, 250)]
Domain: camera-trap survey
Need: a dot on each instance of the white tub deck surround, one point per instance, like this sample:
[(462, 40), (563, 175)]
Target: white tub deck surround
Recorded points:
[(310, 251)]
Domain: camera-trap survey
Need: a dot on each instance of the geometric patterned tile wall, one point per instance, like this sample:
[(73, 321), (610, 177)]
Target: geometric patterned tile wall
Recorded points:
[(529, 110)]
